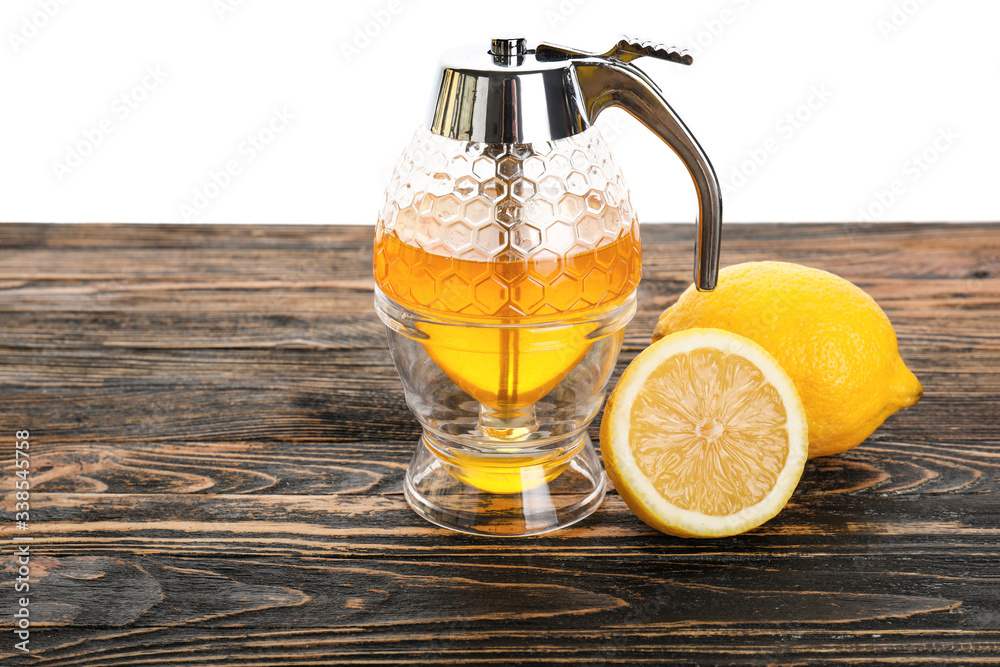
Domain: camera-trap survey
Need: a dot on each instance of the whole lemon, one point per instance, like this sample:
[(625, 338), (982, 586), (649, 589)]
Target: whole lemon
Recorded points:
[(830, 336)]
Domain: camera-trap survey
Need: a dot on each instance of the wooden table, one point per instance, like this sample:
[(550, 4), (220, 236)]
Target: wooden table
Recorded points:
[(218, 440)]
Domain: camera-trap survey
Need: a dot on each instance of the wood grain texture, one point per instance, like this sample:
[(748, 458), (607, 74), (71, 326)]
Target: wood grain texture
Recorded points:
[(219, 439)]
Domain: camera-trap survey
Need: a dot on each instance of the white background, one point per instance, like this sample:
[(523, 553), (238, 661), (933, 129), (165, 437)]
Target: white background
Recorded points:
[(895, 77)]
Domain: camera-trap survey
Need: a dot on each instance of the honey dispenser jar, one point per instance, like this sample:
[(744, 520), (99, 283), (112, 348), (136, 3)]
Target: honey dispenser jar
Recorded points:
[(506, 261)]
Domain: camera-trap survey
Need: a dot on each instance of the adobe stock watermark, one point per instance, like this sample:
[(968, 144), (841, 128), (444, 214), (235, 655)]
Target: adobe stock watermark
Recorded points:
[(614, 127), (713, 28), (371, 29), (249, 149), (899, 15), (269, 308), (785, 128), (22, 552), (561, 12), (77, 152), (31, 25), (223, 8), (971, 286), (911, 171)]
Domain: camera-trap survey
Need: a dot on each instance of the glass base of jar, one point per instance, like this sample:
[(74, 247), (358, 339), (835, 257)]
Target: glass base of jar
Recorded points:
[(504, 494)]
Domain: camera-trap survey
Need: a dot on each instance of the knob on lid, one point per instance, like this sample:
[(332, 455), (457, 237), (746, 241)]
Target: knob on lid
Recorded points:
[(508, 51)]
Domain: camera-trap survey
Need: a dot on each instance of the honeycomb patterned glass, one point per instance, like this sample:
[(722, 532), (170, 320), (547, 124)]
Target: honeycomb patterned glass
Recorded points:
[(487, 231)]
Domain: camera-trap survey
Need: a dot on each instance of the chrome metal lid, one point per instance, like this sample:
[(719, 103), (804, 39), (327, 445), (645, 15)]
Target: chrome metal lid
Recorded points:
[(508, 93), (504, 94)]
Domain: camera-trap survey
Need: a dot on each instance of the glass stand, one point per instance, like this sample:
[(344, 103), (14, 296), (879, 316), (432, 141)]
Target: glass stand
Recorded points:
[(504, 494)]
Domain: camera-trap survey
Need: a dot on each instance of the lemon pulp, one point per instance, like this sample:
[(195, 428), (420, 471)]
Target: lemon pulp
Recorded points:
[(704, 435), (709, 431)]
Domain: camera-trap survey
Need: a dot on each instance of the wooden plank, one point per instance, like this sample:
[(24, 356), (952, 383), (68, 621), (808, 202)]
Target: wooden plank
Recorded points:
[(456, 644), (188, 608), (169, 591), (849, 515), (282, 313)]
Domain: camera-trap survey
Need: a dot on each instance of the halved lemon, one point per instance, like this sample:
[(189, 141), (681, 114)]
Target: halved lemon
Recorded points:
[(705, 435)]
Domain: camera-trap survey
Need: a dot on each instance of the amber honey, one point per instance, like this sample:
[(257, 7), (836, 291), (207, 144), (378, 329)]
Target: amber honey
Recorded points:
[(513, 350)]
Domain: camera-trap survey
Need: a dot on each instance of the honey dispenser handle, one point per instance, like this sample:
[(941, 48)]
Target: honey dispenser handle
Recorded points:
[(610, 80)]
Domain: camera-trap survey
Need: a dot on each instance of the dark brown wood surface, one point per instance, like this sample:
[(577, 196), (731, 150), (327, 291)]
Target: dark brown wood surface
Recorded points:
[(218, 439)]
